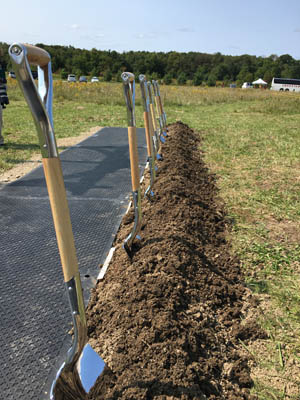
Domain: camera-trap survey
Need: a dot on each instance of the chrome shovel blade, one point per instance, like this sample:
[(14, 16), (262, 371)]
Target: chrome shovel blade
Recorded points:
[(83, 366), (90, 366), (76, 381)]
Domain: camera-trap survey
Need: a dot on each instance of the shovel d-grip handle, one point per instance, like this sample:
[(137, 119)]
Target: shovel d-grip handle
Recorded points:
[(39, 99), (37, 56)]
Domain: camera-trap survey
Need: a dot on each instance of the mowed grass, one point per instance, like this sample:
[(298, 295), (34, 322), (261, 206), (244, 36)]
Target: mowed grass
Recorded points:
[(252, 143)]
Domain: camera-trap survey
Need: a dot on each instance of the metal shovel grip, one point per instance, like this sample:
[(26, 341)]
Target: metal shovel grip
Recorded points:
[(129, 93), (36, 55), (39, 99)]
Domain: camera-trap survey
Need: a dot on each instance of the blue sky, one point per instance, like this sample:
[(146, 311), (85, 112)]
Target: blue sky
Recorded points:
[(232, 27)]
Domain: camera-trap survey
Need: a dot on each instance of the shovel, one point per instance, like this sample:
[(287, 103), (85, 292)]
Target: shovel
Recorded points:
[(161, 113), (153, 125), (129, 93), (149, 137), (82, 366)]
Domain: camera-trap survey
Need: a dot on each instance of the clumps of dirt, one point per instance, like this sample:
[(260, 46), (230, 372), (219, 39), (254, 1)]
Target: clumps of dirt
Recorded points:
[(168, 322)]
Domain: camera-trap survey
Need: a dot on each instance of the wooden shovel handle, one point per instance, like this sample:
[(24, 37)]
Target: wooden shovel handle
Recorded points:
[(61, 216), (134, 160), (154, 122), (160, 105), (37, 56), (148, 134)]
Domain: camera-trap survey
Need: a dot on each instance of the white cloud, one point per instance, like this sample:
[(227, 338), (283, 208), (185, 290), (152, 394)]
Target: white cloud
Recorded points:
[(150, 35), (185, 30), (75, 26)]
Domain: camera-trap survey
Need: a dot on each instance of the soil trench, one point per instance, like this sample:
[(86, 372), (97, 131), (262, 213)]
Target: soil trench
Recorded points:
[(168, 322)]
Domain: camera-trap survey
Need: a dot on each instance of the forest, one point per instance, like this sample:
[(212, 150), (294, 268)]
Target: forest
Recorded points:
[(171, 67)]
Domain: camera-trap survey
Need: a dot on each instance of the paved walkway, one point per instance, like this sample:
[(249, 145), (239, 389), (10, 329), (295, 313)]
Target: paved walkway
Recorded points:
[(34, 311)]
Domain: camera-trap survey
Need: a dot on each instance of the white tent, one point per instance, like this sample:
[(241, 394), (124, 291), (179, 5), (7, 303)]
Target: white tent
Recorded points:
[(259, 82)]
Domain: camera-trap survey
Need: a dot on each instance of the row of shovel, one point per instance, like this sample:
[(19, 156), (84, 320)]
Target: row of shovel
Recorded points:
[(155, 131), (82, 365)]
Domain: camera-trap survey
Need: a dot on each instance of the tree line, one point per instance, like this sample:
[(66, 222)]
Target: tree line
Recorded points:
[(171, 67)]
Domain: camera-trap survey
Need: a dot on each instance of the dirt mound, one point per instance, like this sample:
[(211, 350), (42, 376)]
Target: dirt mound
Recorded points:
[(168, 322)]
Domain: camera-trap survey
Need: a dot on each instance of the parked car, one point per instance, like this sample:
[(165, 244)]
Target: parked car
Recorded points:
[(83, 79), (232, 85), (95, 79), (11, 74), (247, 85), (71, 78)]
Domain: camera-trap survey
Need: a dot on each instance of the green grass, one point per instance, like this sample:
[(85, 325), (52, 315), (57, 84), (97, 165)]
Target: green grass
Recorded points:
[(254, 147), (252, 142)]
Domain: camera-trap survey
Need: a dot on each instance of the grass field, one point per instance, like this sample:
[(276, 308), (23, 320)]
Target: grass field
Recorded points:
[(252, 143)]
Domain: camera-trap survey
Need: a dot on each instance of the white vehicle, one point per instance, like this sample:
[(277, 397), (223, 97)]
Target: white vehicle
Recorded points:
[(71, 78), (247, 85), (285, 85), (94, 79)]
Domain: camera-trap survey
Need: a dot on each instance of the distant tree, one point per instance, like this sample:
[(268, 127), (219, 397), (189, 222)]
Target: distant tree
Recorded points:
[(155, 76), (181, 79), (197, 79), (63, 74), (245, 75), (211, 81), (118, 76), (268, 76), (167, 79), (107, 76), (197, 67), (95, 71), (286, 72), (273, 57), (221, 72), (78, 73), (295, 71), (136, 75), (286, 59), (80, 64)]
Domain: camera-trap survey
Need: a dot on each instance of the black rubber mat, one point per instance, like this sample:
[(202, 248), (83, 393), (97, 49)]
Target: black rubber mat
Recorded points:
[(34, 311)]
